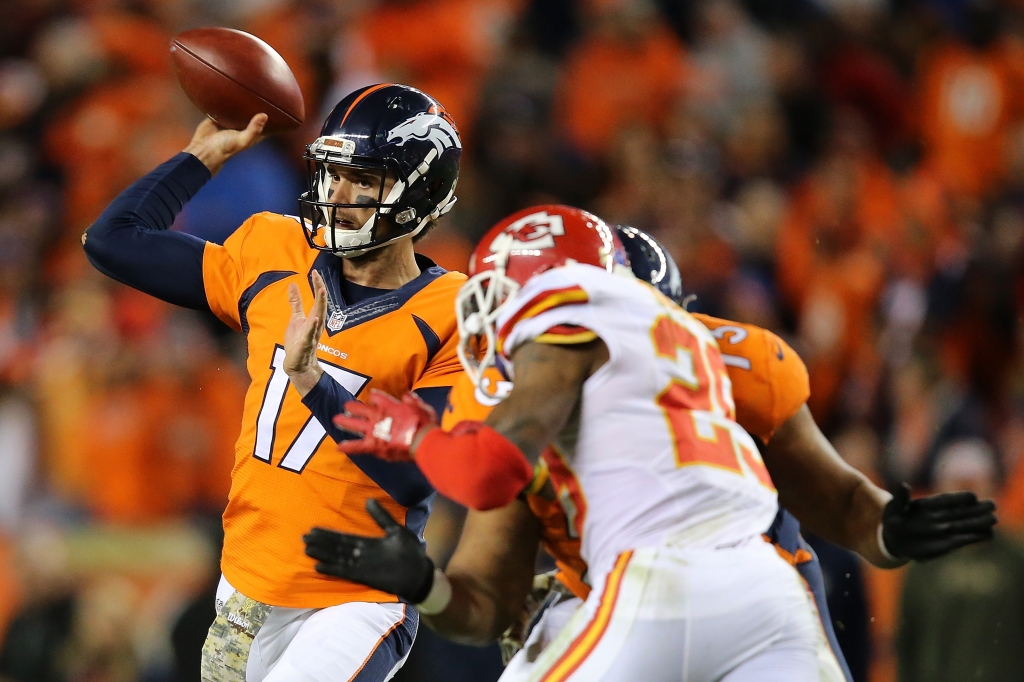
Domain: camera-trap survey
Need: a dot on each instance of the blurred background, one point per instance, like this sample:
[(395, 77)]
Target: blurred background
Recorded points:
[(847, 173)]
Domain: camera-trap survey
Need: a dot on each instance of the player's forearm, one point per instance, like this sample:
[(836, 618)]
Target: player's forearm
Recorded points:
[(848, 515), (491, 573), (130, 242), (865, 518), (526, 432), (485, 466), (846, 512), (829, 497), (547, 390), (325, 398), (475, 614)]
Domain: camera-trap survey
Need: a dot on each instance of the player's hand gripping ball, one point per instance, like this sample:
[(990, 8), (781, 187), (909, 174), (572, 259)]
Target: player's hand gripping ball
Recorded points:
[(387, 427), (231, 76)]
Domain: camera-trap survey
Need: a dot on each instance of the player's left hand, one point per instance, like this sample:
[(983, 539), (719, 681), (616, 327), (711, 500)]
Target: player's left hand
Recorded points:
[(929, 527), (387, 426), (302, 334), (396, 563)]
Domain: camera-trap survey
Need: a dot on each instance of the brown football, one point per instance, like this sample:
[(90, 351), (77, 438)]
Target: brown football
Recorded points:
[(232, 76)]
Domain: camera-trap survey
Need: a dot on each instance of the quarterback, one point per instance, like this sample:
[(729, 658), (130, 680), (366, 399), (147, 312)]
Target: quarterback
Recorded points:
[(381, 172)]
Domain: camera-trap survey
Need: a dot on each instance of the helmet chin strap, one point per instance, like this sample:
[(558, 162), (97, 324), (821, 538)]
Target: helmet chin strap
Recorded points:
[(363, 234)]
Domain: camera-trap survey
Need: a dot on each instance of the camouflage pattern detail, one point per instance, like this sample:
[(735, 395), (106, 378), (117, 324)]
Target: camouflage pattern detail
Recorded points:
[(226, 650), (547, 591)]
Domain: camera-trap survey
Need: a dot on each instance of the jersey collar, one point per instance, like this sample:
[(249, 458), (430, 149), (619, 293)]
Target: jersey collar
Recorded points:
[(342, 316)]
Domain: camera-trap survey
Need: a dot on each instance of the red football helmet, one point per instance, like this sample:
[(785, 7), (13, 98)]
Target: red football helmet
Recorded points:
[(523, 245)]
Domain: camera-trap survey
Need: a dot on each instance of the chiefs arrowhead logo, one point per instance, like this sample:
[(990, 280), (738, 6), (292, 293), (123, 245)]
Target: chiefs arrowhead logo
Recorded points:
[(535, 231)]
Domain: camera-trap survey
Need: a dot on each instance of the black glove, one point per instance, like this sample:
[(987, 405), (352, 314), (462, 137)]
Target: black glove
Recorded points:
[(395, 563), (929, 527)]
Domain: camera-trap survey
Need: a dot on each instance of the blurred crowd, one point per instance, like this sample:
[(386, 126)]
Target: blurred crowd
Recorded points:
[(847, 173)]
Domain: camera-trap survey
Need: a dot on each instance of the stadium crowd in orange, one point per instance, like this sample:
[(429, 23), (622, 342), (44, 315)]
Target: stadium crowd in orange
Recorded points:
[(851, 177)]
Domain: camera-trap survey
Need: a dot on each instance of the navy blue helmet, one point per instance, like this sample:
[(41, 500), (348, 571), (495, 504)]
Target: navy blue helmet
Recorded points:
[(382, 128), (651, 262)]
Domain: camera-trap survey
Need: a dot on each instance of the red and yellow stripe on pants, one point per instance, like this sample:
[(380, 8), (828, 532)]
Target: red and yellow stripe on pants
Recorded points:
[(587, 640)]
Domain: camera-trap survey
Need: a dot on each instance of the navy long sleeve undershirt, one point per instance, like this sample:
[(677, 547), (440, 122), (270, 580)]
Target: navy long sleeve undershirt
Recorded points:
[(130, 242), (325, 400), (402, 480)]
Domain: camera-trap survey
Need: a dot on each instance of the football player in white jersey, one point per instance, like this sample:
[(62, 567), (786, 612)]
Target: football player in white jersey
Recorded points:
[(495, 556), (671, 494)]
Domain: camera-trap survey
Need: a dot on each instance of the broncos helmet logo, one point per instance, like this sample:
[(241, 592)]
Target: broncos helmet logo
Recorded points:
[(433, 128)]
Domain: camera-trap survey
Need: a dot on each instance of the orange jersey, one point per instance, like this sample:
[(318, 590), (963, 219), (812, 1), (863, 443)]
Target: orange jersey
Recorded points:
[(769, 385), (769, 380), (288, 475)]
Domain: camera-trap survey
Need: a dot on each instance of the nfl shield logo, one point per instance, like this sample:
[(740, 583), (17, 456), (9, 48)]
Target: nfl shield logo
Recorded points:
[(336, 321)]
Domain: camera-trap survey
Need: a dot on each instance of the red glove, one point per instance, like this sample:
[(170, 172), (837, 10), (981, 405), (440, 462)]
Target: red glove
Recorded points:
[(387, 426)]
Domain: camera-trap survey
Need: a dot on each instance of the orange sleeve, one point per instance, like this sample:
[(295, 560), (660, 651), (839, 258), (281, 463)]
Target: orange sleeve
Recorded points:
[(444, 369), (223, 275), (791, 386), (435, 316), (466, 402), (769, 380)]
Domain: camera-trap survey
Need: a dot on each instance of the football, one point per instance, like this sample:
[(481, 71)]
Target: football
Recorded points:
[(232, 75)]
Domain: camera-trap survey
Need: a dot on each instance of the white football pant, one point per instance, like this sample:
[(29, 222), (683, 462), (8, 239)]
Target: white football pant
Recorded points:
[(666, 614)]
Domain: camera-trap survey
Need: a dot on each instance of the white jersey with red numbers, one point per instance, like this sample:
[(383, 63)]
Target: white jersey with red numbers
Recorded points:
[(656, 456)]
